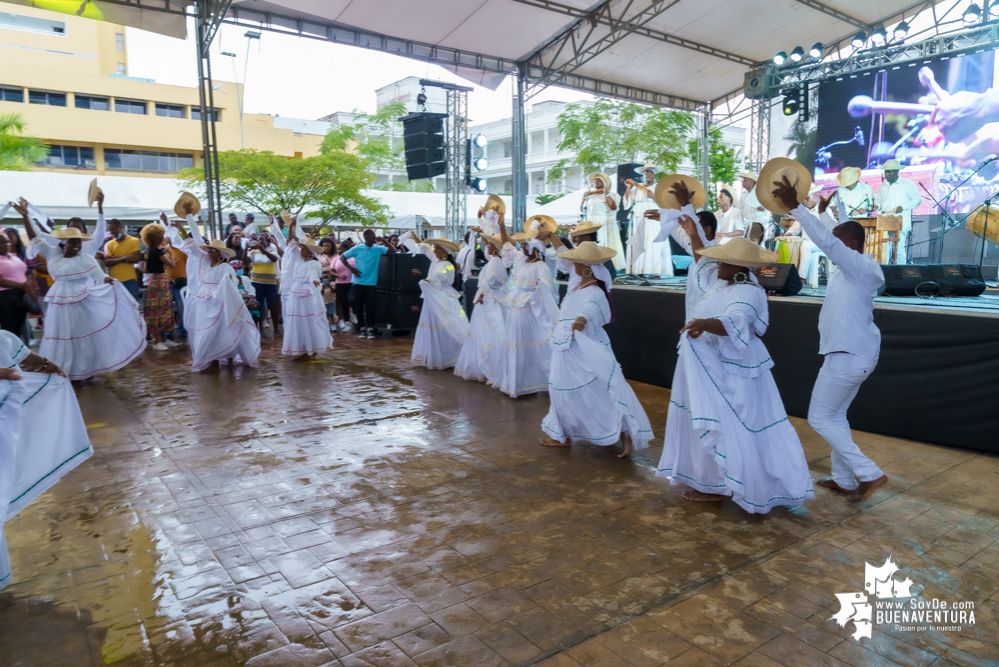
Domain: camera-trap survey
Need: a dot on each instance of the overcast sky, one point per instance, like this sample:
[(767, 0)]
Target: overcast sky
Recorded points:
[(305, 78)]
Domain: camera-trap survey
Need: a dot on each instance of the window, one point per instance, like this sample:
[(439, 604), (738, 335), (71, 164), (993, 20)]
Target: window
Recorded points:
[(32, 24), (121, 69), (130, 106), (92, 102), (170, 110), (115, 158), (46, 97), (196, 114), (70, 156), (119, 41), (10, 94)]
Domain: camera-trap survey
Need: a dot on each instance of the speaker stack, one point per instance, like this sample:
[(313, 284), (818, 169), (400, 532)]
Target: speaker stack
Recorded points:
[(399, 298), (779, 279), (933, 280)]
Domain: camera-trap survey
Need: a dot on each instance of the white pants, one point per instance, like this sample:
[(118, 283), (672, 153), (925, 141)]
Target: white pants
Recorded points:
[(835, 388)]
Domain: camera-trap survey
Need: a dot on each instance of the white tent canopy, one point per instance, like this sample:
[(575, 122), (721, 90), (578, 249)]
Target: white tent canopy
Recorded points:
[(564, 210)]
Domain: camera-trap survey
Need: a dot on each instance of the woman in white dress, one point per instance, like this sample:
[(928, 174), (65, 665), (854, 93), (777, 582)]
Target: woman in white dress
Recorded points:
[(590, 399), (42, 434), (92, 323), (306, 329), (727, 433), (219, 327), (530, 316), (443, 325), (648, 256), (730, 222), (600, 205), (483, 349)]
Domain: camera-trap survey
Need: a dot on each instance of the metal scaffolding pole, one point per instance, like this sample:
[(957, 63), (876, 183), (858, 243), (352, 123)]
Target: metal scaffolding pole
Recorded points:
[(759, 146), (456, 147), (205, 30), (519, 150), (705, 148)]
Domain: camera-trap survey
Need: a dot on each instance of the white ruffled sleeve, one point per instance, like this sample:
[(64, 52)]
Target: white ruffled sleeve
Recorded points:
[(13, 347)]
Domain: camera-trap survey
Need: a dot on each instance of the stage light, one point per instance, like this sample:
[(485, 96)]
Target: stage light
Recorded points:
[(478, 184), (973, 14), (901, 31), (859, 40), (480, 163), (780, 58), (421, 99), (480, 141), (797, 54), (879, 37), (790, 105), (817, 50)]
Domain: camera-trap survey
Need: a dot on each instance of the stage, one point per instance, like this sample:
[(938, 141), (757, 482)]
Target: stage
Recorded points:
[(937, 379)]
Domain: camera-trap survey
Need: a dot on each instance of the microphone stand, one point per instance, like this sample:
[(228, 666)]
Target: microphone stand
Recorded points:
[(945, 214)]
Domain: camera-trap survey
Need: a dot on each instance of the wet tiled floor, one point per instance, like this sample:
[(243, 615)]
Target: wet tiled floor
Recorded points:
[(357, 511)]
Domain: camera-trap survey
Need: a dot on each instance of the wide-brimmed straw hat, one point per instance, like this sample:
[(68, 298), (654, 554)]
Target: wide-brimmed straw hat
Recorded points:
[(496, 203), (751, 175), (93, 192), (178, 208), (311, 245), (775, 171), (648, 167), (848, 176), (585, 227), (70, 233), (588, 252), (664, 199), (447, 244), (286, 216), (541, 223), (494, 240), (525, 235), (219, 245), (608, 183), (890, 165), (739, 252)]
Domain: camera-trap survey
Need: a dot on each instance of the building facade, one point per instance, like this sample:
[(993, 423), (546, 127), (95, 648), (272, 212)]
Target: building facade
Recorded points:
[(68, 78)]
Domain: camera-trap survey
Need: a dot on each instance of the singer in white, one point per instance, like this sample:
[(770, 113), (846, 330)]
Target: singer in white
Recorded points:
[(600, 204), (898, 196)]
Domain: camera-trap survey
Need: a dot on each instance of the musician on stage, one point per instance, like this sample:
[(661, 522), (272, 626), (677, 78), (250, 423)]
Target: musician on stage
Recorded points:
[(853, 199), (754, 216), (898, 196), (599, 205), (645, 256)]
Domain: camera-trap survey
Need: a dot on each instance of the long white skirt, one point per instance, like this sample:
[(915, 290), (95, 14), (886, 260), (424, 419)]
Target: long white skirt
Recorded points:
[(219, 328), (609, 236), (483, 349), (97, 330), (526, 358), (306, 328), (442, 331), (590, 399), (42, 437), (729, 434)]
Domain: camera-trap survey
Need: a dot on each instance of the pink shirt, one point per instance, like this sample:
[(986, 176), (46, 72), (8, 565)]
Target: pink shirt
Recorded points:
[(338, 266), (13, 269)]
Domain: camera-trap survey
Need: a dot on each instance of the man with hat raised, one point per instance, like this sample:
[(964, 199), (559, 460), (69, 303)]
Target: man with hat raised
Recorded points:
[(853, 199), (898, 196)]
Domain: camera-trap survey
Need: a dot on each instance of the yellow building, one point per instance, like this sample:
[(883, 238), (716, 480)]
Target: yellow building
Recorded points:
[(68, 78)]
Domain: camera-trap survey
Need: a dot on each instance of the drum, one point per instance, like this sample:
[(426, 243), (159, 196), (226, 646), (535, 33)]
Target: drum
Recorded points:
[(976, 223)]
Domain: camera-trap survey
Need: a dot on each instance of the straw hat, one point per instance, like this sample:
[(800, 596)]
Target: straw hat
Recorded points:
[(739, 252), (608, 183), (220, 246), (525, 235), (93, 192), (541, 223), (494, 202), (585, 227), (178, 208), (776, 170), (494, 240), (751, 175), (890, 165), (447, 244), (286, 216), (648, 167), (311, 245), (588, 252), (848, 176), (815, 189), (70, 233), (698, 195)]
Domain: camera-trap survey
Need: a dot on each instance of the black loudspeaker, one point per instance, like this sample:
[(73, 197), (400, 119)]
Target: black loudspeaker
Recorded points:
[(933, 280), (625, 171), (958, 279), (398, 310), (779, 279), (904, 279), (423, 139), (402, 272)]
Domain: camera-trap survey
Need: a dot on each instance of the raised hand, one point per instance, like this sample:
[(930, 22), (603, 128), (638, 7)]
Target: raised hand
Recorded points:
[(682, 194), (785, 193)]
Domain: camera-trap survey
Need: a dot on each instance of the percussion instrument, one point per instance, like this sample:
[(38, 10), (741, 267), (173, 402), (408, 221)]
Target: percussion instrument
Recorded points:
[(976, 223), (639, 185), (877, 227)]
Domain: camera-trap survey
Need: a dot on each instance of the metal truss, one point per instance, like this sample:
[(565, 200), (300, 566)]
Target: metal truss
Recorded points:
[(538, 76), (759, 147), (835, 13), (208, 18), (456, 145)]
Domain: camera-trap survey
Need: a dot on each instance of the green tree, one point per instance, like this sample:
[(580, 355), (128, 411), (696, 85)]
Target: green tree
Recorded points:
[(721, 157), (608, 132), (17, 151), (329, 185), (546, 198)]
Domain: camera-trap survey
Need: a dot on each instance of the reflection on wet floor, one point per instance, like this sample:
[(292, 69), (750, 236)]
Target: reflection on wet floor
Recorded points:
[(357, 511)]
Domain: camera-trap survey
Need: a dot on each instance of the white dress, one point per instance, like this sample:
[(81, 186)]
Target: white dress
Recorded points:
[(649, 257), (530, 317), (443, 324), (91, 327), (609, 235), (482, 351), (219, 327), (306, 328), (726, 430), (590, 399), (36, 450)]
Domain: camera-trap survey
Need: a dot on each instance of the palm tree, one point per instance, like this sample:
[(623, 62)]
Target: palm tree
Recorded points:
[(17, 151)]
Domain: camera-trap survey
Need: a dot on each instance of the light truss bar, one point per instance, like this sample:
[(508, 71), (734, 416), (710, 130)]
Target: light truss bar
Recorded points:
[(835, 13), (537, 77), (176, 7)]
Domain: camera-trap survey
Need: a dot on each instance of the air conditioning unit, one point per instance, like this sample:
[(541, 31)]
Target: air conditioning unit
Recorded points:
[(757, 84)]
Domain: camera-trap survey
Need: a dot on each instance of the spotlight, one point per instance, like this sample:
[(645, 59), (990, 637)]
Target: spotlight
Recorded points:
[(859, 40), (816, 51), (790, 105), (973, 14), (478, 184), (480, 141), (994, 10), (901, 31), (797, 54), (421, 99), (480, 163), (780, 58), (879, 37)]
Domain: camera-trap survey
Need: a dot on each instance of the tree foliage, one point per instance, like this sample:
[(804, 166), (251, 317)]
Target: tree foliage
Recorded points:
[(329, 186), (608, 132), (17, 151), (547, 198), (721, 157)]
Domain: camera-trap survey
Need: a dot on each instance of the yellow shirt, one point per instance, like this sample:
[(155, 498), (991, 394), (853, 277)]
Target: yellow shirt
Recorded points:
[(125, 270), (180, 258)]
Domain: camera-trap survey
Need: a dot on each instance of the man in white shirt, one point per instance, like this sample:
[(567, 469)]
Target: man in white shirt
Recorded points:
[(465, 259), (849, 340), (752, 213), (853, 199), (898, 196)]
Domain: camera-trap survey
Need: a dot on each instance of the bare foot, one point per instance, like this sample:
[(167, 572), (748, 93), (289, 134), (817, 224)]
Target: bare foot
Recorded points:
[(552, 442), (866, 489), (626, 446), (831, 484), (699, 497)]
